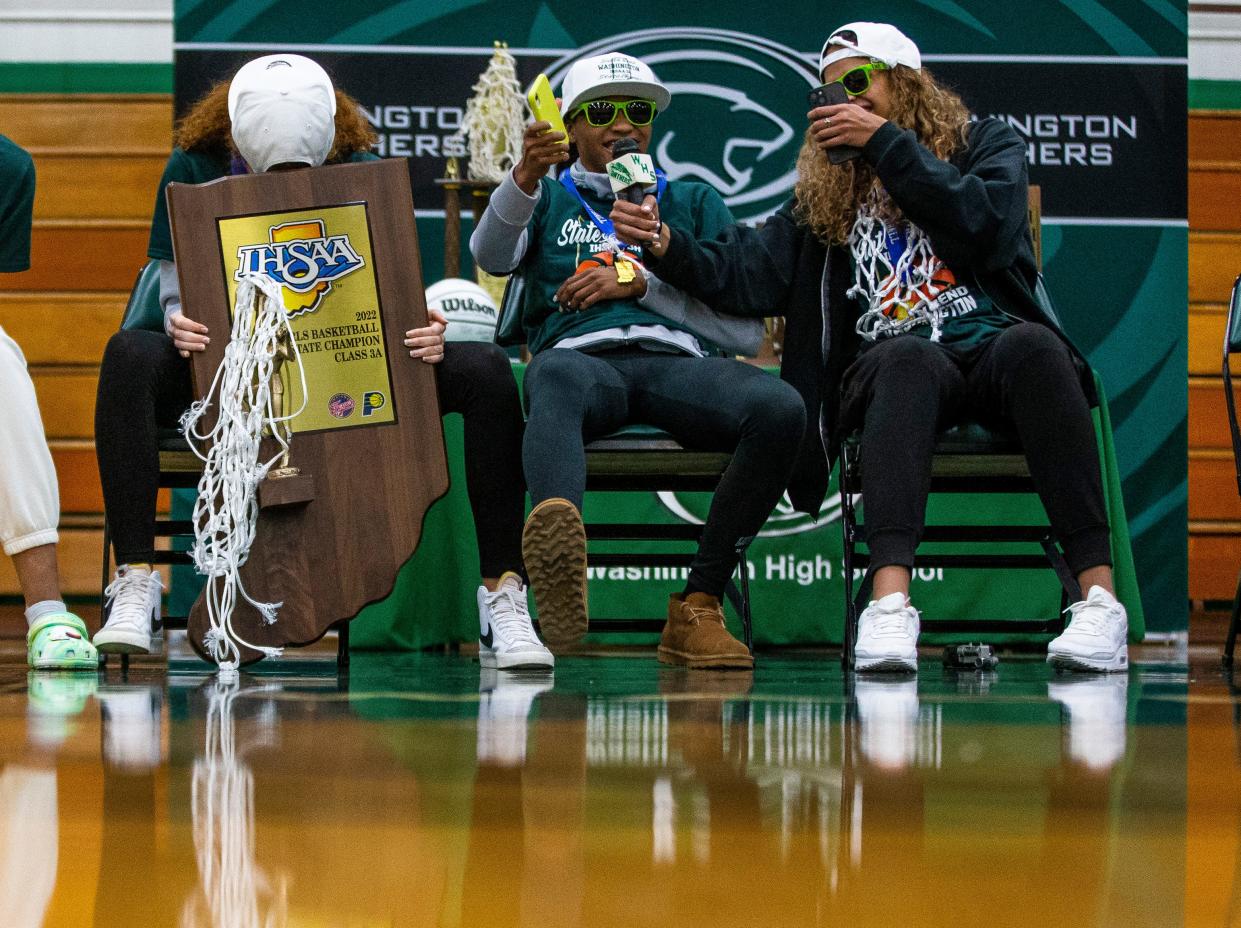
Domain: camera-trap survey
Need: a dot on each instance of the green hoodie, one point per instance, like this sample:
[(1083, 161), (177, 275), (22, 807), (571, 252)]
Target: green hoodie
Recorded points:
[(561, 237)]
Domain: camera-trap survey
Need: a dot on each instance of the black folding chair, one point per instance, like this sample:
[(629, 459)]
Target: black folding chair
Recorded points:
[(1232, 343), (968, 458)]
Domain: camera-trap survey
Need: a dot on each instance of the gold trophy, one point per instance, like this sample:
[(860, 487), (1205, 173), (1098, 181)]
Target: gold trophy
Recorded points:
[(284, 484), (279, 389)]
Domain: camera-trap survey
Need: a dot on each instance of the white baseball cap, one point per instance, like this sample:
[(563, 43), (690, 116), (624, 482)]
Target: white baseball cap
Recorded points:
[(880, 41), (283, 111), (610, 75)]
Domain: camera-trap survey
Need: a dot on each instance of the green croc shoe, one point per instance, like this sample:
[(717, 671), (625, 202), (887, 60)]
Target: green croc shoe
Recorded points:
[(60, 641)]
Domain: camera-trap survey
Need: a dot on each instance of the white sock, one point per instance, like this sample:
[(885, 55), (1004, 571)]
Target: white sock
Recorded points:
[(40, 609)]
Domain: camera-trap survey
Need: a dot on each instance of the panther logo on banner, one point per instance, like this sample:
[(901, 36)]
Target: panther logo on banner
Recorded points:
[(784, 519), (744, 84)]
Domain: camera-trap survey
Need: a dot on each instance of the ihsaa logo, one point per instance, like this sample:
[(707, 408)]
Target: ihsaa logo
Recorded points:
[(303, 259), (738, 110)]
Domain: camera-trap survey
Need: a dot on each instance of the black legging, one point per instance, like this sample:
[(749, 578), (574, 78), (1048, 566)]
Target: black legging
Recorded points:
[(712, 404), (144, 386), (903, 390)]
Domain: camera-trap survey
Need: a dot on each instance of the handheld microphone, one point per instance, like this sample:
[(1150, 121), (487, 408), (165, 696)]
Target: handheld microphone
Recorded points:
[(630, 171)]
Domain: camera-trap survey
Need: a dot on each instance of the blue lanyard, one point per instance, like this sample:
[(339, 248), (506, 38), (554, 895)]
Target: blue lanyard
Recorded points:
[(601, 222), (897, 240)]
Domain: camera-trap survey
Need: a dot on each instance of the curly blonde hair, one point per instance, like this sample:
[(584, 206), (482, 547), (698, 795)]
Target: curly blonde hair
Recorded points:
[(829, 195), (206, 128)]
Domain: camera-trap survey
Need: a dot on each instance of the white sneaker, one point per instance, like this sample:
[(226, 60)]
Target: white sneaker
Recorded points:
[(1097, 707), (134, 601), (1096, 637), (888, 712), (887, 637), (131, 727), (506, 638), (504, 703)]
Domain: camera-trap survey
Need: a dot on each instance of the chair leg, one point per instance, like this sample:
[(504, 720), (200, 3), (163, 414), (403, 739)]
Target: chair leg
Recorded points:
[(1231, 643), (848, 527), (342, 648), (107, 575), (1067, 581), (107, 560), (746, 619), (1070, 589), (846, 648)]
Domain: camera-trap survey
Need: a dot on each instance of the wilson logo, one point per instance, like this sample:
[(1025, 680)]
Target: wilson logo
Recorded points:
[(303, 259)]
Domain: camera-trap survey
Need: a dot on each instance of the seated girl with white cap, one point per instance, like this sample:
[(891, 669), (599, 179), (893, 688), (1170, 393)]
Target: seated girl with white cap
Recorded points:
[(908, 281), (282, 112)]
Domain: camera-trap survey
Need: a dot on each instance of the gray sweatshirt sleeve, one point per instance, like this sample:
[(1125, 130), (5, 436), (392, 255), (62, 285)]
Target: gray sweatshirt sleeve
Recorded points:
[(734, 334), (499, 239), (169, 292)]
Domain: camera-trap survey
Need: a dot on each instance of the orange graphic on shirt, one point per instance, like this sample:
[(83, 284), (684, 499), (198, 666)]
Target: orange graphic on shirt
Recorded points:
[(598, 259), (942, 279)]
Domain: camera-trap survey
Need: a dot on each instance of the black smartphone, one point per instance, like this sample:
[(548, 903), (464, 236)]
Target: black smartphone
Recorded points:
[(830, 95)]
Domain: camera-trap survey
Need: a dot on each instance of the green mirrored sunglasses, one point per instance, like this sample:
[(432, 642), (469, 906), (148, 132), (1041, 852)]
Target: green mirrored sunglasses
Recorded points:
[(856, 81), (600, 113)]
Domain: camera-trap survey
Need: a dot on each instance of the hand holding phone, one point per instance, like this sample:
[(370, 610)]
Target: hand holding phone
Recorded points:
[(543, 105), (831, 95)]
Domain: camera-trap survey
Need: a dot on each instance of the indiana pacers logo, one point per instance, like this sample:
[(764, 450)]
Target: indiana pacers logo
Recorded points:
[(303, 259)]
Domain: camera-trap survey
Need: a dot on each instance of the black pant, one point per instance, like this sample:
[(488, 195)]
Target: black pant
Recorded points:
[(903, 390), (712, 404), (144, 386)]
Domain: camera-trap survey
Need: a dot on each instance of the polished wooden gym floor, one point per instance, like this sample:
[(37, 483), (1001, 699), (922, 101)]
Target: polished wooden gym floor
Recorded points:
[(423, 791)]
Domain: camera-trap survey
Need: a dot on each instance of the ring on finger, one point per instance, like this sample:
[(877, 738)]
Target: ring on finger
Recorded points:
[(827, 122)]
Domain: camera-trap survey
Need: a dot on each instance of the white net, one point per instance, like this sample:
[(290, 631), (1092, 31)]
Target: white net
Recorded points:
[(226, 511), (495, 118), (234, 891), (894, 285)]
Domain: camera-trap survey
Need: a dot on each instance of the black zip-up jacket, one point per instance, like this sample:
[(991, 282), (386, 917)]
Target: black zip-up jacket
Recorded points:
[(975, 210)]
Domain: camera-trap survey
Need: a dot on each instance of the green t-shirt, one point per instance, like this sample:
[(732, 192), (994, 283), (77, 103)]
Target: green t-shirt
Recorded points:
[(562, 237), (16, 206), (194, 167)]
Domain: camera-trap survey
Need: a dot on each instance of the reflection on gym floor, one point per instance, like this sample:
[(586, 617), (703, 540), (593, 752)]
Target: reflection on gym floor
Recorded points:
[(423, 791)]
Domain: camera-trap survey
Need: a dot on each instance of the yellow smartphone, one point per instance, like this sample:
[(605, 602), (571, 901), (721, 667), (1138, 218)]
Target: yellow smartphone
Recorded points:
[(543, 105)]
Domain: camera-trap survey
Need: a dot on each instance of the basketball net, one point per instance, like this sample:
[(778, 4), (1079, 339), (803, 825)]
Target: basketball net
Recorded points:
[(226, 511), (236, 891), (894, 291)]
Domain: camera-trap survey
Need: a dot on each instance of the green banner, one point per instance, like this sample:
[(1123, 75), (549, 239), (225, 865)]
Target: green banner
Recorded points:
[(1097, 91)]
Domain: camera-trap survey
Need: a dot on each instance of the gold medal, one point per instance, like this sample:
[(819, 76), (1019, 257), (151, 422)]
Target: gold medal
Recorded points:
[(624, 272)]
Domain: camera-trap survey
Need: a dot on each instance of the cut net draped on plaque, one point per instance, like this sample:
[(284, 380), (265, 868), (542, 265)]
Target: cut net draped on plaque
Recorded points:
[(226, 511)]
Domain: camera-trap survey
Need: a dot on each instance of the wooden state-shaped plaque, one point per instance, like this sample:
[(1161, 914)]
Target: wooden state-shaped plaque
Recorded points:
[(368, 446)]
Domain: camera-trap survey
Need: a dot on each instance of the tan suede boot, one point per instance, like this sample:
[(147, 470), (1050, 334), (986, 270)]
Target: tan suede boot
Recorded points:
[(695, 635)]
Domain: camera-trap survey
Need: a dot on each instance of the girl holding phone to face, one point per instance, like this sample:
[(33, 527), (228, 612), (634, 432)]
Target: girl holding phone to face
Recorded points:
[(909, 284)]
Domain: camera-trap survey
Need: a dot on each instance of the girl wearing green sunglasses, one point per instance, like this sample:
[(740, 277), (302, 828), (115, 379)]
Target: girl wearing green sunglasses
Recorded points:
[(912, 298)]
